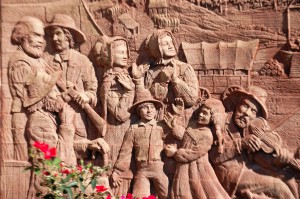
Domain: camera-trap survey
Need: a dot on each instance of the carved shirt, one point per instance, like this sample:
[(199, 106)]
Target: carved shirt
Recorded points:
[(77, 69), (147, 141), (186, 87)]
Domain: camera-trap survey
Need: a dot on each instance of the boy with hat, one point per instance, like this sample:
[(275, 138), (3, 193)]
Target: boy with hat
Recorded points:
[(146, 137)]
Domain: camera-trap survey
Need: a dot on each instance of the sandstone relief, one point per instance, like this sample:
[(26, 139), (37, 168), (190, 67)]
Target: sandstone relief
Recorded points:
[(174, 99)]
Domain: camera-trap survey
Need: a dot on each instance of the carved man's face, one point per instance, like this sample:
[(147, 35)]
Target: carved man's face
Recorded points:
[(246, 111), (33, 44), (120, 54), (204, 116), (60, 40), (147, 111), (167, 47)]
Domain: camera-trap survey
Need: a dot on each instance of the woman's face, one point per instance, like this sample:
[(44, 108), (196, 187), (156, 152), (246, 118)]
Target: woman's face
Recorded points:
[(204, 116), (120, 54), (167, 46)]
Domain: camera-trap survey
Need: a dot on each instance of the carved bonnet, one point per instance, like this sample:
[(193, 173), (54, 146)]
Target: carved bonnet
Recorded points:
[(65, 21), (152, 42)]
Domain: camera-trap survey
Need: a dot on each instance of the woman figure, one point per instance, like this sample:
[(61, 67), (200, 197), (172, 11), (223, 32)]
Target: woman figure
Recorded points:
[(116, 95), (194, 176)]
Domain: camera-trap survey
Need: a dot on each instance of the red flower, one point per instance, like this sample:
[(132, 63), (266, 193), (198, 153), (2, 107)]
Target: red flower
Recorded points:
[(66, 171), (41, 146), (129, 196), (79, 168), (48, 154), (151, 197), (46, 173), (108, 197), (100, 189)]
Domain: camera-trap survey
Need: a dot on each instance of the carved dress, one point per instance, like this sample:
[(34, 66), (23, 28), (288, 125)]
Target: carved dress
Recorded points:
[(194, 176), (116, 100)]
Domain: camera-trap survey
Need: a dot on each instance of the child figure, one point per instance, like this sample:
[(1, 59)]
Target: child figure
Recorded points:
[(194, 176), (146, 138)]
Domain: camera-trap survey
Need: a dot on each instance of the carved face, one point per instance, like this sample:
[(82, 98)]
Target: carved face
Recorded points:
[(246, 111), (204, 116), (147, 111), (60, 40), (120, 53), (33, 44), (167, 47)]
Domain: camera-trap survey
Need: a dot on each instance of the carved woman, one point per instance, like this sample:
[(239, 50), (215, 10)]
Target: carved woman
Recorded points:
[(116, 95), (194, 176)]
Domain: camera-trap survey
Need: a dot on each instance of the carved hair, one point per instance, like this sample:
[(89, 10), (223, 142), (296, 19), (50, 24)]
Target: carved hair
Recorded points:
[(69, 37), (217, 112), (22, 29)]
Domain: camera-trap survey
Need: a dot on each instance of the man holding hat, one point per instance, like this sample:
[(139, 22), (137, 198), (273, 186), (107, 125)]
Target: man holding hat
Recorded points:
[(235, 169), (77, 70), (146, 137)]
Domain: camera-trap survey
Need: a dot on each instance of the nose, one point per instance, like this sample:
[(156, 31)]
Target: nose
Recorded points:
[(248, 112), (54, 37)]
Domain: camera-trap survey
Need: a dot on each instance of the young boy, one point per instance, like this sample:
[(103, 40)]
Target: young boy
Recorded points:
[(146, 138)]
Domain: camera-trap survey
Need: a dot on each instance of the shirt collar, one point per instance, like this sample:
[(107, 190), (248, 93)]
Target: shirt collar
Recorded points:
[(62, 57), (152, 123)]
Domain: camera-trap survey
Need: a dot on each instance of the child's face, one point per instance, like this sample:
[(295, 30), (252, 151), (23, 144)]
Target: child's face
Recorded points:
[(204, 116), (148, 111)]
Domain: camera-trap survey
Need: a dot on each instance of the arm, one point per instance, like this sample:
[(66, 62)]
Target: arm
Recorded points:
[(185, 155), (123, 162), (90, 82), (186, 85), (117, 104)]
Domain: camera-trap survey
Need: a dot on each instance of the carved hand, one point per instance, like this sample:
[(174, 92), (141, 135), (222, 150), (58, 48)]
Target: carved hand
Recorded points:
[(116, 180), (170, 150), (99, 144), (125, 81), (170, 120), (138, 71), (252, 143), (166, 74), (82, 99), (283, 155), (178, 107)]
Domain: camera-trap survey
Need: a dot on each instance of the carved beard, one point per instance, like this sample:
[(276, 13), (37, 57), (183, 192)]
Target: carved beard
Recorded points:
[(53, 105), (241, 120), (32, 51)]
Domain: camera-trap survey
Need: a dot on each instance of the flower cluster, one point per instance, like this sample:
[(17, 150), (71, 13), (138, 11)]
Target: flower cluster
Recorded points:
[(64, 181)]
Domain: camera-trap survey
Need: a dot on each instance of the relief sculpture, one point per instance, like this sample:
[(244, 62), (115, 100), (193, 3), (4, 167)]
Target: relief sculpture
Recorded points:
[(160, 98)]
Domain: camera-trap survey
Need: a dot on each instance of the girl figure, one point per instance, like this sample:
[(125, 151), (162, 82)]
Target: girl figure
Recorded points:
[(194, 176)]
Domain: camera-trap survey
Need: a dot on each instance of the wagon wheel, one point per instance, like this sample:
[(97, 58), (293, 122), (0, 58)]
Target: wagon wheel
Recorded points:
[(227, 101), (204, 94)]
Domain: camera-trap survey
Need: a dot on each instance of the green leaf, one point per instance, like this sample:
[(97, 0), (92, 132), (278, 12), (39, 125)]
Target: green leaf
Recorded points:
[(94, 183), (82, 188), (71, 184), (69, 192), (56, 161), (67, 179)]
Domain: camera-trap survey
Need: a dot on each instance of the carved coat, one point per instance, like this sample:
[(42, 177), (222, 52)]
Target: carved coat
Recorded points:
[(77, 69), (186, 88), (194, 176)]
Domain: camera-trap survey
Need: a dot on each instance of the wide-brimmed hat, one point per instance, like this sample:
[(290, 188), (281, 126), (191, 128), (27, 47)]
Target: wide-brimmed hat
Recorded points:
[(65, 21), (255, 93), (40, 86), (142, 97)]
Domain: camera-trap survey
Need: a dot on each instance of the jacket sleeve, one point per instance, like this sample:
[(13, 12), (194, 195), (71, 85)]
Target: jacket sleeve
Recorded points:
[(89, 79), (123, 162), (186, 86)]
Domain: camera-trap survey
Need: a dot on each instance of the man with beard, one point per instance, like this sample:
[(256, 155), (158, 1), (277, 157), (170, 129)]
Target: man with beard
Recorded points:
[(76, 68), (23, 66), (236, 167)]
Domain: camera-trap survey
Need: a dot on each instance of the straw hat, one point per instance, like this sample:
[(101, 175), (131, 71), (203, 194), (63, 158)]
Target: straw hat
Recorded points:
[(65, 21)]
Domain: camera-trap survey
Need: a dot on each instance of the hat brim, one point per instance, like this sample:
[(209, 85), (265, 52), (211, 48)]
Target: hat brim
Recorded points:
[(78, 34), (158, 104), (236, 95)]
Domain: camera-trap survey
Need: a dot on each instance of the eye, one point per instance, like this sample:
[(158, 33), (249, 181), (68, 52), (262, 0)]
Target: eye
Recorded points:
[(254, 111)]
